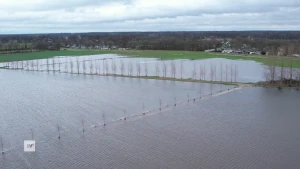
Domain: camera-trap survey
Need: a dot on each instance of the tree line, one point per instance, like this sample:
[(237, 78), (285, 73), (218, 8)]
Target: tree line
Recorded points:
[(189, 41)]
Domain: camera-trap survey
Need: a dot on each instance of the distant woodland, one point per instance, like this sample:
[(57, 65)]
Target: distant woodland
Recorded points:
[(272, 42)]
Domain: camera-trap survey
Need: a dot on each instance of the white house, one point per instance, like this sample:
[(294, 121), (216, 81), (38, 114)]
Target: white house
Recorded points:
[(227, 51), (210, 50), (296, 55)]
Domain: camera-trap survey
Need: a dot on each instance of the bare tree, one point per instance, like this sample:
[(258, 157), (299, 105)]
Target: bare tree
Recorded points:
[(71, 65), (82, 122), (181, 69), (78, 66), (160, 104), (22, 64), (96, 66), (1, 141), (146, 69), (99, 67), (47, 62), (66, 65), (291, 49), (204, 72), (200, 91), (211, 72), (215, 72), (32, 65), (188, 97), (157, 69), (113, 67), (122, 67), (200, 72), (266, 74), (281, 72), (104, 119), (272, 68), (231, 72), (84, 66), (164, 69), (175, 101), (171, 66), (221, 71), (226, 73), (298, 78), (37, 65), (103, 66), (106, 67), (125, 114), (138, 68), (58, 129), (53, 64), (194, 73), (235, 72), (59, 64), (174, 70), (131, 68), (128, 69), (272, 63), (91, 66), (27, 64), (291, 71)]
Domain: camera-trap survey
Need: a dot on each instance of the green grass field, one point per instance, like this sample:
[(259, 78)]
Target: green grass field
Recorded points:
[(138, 53)]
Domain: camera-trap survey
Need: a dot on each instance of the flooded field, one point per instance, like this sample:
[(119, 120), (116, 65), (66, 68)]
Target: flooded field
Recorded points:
[(217, 69), (44, 102), (65, 113)]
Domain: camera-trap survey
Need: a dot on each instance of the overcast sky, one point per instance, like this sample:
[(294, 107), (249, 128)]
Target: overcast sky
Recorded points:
[(55, 16)]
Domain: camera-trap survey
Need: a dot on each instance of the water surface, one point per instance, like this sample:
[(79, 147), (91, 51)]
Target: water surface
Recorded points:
[(247, 128)]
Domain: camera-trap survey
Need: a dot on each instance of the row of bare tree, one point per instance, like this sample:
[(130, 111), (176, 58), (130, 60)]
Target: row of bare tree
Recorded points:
[(280, 71), (227, 73)]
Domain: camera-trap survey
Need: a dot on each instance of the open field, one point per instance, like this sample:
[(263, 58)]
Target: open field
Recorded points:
[(140, 53)]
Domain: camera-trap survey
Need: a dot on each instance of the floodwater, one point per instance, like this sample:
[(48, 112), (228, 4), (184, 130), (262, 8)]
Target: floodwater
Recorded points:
[(216, 69), (246, 128)]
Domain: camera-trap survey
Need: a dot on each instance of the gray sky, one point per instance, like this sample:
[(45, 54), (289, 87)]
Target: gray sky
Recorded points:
[(55, 16)]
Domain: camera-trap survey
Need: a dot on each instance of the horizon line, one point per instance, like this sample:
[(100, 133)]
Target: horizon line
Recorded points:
[(1, 34)]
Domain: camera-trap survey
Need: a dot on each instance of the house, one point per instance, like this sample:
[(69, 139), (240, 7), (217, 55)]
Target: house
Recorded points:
[(123, 48), (238, 51), (218, 50), (105, 47), (255, 53), (296, 55), (74, 46), (227, 51), (210, 50)]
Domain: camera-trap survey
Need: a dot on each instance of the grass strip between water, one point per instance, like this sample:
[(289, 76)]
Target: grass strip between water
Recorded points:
[(161, 54)]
